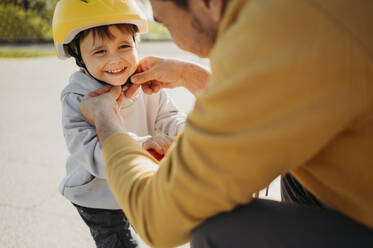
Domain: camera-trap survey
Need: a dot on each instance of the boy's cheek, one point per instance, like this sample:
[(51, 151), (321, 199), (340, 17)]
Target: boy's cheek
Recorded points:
[(136, 58)]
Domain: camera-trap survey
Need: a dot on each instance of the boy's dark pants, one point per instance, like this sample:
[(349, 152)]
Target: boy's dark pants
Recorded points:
[(301, 221), (109, 228)]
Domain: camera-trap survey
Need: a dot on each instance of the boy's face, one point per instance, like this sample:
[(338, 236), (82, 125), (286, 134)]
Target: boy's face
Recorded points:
[(110, 60)]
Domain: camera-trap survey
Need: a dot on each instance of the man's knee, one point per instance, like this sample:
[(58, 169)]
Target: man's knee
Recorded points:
[(223, 230), (202, 236), (245, 223)]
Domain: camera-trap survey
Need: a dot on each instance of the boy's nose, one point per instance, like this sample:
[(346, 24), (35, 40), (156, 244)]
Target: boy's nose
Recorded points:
[(115, 59)]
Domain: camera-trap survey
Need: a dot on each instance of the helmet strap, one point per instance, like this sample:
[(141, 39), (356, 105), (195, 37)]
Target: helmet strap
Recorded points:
[(76, 54)]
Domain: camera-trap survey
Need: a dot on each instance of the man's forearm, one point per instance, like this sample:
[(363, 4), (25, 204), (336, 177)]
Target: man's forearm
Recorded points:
[(106, 126), (195, 78)]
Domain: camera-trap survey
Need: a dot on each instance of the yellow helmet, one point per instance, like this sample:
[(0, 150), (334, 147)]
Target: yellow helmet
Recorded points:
[(73, 16)]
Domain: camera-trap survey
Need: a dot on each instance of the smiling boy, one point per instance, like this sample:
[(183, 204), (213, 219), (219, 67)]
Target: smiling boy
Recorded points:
[(104, 47), (109, 52)]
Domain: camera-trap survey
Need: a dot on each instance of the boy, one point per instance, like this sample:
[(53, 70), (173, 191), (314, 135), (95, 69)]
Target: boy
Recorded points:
[(101, 35)]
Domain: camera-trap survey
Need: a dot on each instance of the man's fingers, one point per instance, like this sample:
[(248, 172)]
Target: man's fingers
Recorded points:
[(147, 89), (147, 63), (150, 144), (145, 76), (139, 69), (100, 91), (115, 92), (155, 87), (120, 100), (151, 87), (132, 88), (164, 141), (145, 145), (160, 143), (167, 142), (158, 148)]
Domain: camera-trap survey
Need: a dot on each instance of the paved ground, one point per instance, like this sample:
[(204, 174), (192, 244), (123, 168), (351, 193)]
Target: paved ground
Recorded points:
[(32, 152)]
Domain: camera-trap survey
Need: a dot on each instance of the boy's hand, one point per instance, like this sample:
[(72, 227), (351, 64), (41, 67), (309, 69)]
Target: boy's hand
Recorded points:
[(155, 154), (160, 143)]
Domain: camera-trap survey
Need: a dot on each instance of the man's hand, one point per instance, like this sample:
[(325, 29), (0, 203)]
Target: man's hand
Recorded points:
[(160, 143), (154, 73), (101, 108)]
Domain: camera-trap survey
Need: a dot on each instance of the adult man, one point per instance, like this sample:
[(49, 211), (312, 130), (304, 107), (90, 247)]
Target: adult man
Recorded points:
[(290, 90)]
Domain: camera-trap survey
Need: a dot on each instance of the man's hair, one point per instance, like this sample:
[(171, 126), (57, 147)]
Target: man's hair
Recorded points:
[(181, 3), (102, 32), (184, 3)]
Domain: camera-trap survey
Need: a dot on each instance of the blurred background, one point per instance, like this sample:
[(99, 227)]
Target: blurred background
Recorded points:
[(33, 214), (24, 23)]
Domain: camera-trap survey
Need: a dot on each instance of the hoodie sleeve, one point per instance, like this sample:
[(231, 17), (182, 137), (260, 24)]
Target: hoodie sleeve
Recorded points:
[(81, 139), (170, 120)]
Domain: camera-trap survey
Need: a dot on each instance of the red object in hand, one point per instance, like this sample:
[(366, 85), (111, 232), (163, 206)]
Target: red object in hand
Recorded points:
[(155, 154)]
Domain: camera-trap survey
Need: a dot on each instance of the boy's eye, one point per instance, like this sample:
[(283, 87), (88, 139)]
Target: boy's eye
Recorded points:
[(99, 52), (124, 46)]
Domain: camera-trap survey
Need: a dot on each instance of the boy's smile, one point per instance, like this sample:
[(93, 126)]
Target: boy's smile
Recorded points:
[(117, 72), (110, 60)]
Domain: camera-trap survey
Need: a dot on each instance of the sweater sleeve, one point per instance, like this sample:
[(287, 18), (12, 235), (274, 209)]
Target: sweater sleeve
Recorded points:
[(81, 138), (278, 94), (170, 120)]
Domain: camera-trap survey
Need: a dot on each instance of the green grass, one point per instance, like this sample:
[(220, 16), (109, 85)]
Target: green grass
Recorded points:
[(13, 53)]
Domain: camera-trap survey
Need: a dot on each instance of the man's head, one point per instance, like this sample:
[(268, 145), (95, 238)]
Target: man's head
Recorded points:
[(108, 52), (193, 24)]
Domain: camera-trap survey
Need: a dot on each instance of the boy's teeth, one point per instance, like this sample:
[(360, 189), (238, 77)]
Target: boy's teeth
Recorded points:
[(115, 71)]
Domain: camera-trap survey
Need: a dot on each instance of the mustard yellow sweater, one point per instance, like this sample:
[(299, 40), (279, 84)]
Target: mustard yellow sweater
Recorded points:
[(291, 90)]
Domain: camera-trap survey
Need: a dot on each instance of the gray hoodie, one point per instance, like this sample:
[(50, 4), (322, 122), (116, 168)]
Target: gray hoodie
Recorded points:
[(143, 115)]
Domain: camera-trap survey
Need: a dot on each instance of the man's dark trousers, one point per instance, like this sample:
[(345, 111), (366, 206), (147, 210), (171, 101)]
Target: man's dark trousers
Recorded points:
[(299, 222)]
